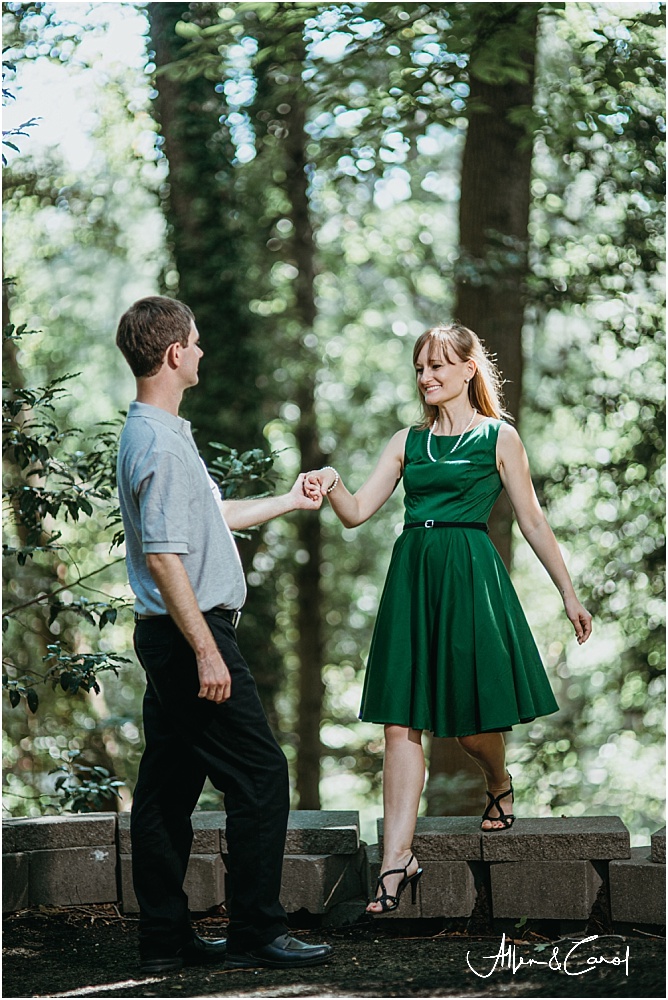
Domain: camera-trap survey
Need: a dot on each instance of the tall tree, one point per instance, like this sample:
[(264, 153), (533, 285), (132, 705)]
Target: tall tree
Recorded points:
[(495, 199), (495, 185), (279, 114), (208, 230)]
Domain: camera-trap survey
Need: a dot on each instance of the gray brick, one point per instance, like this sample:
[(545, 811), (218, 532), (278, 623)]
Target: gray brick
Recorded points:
[(447, 889), (45, 833), (208, 829), (444, 838), (124, 844), (314, 831), (544, 890), (659, 846), (73, 875), (310, 831), (318, 882), (128, 898), (586, 838), (15, 881), (204, 883), (638, 889)]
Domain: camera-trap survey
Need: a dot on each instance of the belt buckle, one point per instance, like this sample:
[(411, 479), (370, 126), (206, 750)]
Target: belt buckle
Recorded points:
[(429, 523)]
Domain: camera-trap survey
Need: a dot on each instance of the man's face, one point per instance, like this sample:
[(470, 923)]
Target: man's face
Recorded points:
[(190, 357)]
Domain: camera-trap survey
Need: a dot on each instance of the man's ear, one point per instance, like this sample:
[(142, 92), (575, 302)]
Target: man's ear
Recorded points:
[(172, 356)]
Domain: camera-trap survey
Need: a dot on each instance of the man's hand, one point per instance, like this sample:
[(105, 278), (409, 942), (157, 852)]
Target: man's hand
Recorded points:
[(301, 500), (214, 677)]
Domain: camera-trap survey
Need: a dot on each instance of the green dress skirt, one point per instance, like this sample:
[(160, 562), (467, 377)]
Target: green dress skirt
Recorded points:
[(451, 650)]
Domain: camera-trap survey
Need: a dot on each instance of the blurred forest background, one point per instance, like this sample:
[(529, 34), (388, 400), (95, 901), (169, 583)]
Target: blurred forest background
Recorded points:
[(321, 182)]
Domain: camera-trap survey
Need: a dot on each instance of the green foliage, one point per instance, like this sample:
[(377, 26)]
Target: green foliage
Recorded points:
[(385, 88), (247, 474), (81, 788)]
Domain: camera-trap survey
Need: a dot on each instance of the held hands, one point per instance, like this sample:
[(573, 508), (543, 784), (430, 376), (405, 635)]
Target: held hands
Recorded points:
[(319, 482), (580, 618), (214, 677), (303, 497)]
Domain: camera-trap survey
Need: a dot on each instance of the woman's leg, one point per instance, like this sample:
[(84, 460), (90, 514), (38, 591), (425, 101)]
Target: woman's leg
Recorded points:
[(403, 780), (489, 752)]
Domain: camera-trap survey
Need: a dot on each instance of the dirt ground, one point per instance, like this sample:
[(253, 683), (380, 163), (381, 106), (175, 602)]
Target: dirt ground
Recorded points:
[(91, 952)]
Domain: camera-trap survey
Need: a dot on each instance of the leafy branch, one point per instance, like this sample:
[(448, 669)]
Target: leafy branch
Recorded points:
[(72, 672)]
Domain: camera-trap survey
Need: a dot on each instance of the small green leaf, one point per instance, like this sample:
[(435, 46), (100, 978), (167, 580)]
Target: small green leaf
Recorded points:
[(33, 700), (14, 697)]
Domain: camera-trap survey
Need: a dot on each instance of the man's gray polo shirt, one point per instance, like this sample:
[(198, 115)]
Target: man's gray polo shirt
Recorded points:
[(169, 503)]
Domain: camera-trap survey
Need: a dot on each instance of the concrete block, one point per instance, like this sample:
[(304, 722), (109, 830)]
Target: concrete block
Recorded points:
[(315, 831), (444, 838), (586, 838), (124, 843), (204, 883), (447, 889), (316, 882), (208, 829), (544, 890), (73, 876), (15, 882), (47, 833), (638, 889), (310, 831), (659, 846), (128, 899)]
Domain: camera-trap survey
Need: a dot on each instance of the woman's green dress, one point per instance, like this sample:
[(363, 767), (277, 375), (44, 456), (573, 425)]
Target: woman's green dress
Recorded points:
[(451, 650)]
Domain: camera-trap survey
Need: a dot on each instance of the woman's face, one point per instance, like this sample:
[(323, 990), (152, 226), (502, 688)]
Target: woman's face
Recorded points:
[(441, 376)]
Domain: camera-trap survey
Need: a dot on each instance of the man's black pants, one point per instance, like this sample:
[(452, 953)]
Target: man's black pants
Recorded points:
[(188, 739)]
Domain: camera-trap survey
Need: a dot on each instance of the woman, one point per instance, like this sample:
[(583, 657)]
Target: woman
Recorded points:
[(451, 650)]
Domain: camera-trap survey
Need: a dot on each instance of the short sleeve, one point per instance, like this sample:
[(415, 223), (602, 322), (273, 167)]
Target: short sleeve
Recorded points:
[(163, 496)]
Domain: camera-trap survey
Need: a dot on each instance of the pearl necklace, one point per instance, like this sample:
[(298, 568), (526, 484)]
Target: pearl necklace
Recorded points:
[(431, 432)]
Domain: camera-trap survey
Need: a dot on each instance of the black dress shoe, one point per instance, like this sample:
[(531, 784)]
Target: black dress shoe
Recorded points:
[(284, 952), (198, 951)]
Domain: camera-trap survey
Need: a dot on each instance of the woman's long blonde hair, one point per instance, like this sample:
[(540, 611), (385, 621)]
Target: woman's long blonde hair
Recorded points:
[(485, 388)]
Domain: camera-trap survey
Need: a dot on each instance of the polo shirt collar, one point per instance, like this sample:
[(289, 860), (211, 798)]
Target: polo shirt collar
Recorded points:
[(149, 412)]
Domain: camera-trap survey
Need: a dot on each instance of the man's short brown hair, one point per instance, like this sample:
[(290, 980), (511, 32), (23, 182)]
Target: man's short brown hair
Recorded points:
[(148, 328)]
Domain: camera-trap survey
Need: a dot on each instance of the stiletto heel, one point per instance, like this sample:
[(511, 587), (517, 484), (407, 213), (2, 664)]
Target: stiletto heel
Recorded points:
[(386, 900), (414, 879)]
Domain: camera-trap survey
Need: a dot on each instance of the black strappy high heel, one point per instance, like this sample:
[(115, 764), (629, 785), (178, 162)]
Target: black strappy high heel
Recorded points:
[(389, 902), (506, 818)]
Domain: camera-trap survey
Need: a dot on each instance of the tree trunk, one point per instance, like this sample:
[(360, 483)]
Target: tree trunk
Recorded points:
[(493, 220), (310, 644), (209, 234)]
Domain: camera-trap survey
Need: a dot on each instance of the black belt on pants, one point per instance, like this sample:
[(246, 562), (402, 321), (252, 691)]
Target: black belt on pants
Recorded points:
[(227, 613), (478, 525)]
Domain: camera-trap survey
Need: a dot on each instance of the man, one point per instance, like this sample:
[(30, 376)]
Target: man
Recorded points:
[(202, 714)]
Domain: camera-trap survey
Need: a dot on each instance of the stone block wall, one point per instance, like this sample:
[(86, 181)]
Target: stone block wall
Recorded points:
[(552, 868), (59, 861)]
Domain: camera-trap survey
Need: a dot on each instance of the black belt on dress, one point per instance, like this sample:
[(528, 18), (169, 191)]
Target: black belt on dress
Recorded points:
[(227, 613), (478, 525)]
